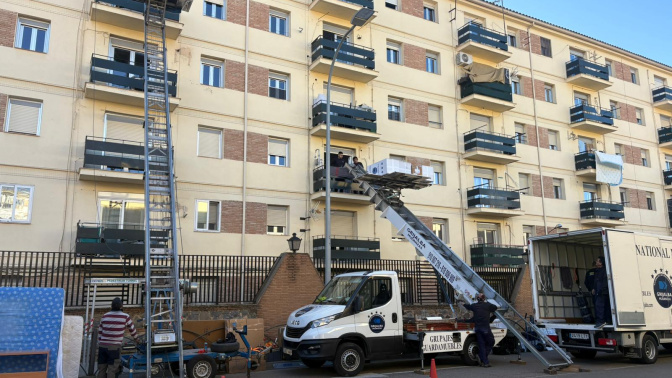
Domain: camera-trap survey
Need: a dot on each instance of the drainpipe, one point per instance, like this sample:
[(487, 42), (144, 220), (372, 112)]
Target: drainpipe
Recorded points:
[(245, 103), (536, 127)]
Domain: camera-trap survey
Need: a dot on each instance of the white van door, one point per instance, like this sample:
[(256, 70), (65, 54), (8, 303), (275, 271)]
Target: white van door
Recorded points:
[(625, 282), (379, 318)]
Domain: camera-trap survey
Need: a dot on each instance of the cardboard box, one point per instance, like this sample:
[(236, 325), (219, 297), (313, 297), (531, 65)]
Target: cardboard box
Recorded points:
[(212, 330), (239, 364)]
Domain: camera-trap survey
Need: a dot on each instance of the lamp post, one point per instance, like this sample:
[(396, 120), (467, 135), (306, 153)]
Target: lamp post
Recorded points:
[(359, 19), (294, 243)]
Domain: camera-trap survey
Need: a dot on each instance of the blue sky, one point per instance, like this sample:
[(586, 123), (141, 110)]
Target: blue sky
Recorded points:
[(640, 26)]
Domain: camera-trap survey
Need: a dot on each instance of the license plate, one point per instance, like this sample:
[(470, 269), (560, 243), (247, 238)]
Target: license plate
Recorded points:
[(579, 336), (287, 351)]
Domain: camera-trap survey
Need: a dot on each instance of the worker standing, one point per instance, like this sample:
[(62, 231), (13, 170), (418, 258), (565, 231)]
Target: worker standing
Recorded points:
[(482, 314), (110, 336), (589, 280), (601, 294)]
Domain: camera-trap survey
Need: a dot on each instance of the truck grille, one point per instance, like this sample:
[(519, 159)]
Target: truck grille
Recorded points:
[(296, 333)]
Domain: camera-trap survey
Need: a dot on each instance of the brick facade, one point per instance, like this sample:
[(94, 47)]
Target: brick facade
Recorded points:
[(427, 221), (522, 294), (535, 185), (534, 40), (257, 148), (531, 133), (526, 86), (632, 155), (548, 187), (414, 56), (413, 7), (626, 112), (621, 71), (235, 11), (528, 90), (259, 15), (636, 198), (543, 137), (232, 217), (258, 80), (7, 27), (416, 112), (233, 144), (3, 110), (234, 75), (550, 230), (416, 162), (255, 218)]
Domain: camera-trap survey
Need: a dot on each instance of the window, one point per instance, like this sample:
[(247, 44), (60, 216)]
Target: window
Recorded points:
[(634, 76), (209, 142), (548, 93), (484, 178), (394, 110), (23, 116), (515, 86), (586, 144), (512, 38), (615, 109), (435, 117), (208, 215), (437, 166), (440, 228), (214, 10), (668, 162), (645, 157), (398, 157), (471, 19), (479, 122), (528, 232), (212, 73), (639, 116), (376, 292), (432, 63), (590, 192), (557, 189), (277, 152), (278, 22), (524, 183), (659, 81), (276, 220), (430, 12), (32, 35), (487, 233), (665, 121), (610, 70), (650, 204), (394, 52), (392, 4), (521, 136), (16, 203), (575, 54), (546, 47), (343, 223), (581, 99), (277, 86), (623, 193), (553, 140), (122, 211), (618, 149), (123, 127)]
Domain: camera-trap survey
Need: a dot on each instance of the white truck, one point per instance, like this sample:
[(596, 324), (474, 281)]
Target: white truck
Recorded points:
[(639, 274), (358, 318)]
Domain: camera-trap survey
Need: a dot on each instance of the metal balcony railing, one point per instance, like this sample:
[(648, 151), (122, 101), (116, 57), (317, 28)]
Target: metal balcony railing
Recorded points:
[(667, 177), (345, 115), (489, 197), (348, 247), (662, 93), (341, 181), (582, 66), (495, 90), (598, 209), (496, 254), (349, 54), (126, 75), (585, 112), (584, 160), (112, 239), (493, 142), (665, 134), (172, 13), (477, 33), (119, 155)]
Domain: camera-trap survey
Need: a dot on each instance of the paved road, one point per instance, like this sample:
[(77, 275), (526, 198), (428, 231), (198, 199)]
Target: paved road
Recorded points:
[(604, 365)]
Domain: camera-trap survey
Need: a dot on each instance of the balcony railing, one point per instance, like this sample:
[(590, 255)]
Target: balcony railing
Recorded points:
[(125, 75), (349, 54), (665, 134), (490, 197), (662, 93), (477, 33), (667, 177), (364, 3), (111, 239), (496, 90), (348, 248), (345, 116), (493, 142), (496, 254), (582, 66), (598, 209), (584, 112), (172, 13), (119, 155), (341, 181), (584, 160)]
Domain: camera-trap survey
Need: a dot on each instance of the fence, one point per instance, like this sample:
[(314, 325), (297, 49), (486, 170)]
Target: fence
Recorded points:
[(222, 279)]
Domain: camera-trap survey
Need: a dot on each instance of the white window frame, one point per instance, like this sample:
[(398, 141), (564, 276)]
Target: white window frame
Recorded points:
[(438, 178), (9, 113), (34, 24), (524, 187), (444, 223), (549, 91), (392, 2), (634, 75), (618, 149), (435, 57), (639, 120), (207, 216), (30, 205), (561, 191), (615, 109), (512, 36), (555, 147), (644, 154), (521, 137), (610, 67), (286, 225), (394, 46), (652, 197), (432, 7), (279, 77), (198, 141), (210, 64), (278, 14), (286, 141), (439, 111), (515, 86), (395, 102), (665, 121), (215, 5)]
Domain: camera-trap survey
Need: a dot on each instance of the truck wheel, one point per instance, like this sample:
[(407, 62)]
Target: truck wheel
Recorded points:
[(202, 366), (313, 364), (649, 350), (584, 354), (470, 352), (349, 360)]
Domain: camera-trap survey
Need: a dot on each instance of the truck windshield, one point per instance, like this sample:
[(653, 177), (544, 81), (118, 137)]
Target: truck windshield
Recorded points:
[(339, 290)]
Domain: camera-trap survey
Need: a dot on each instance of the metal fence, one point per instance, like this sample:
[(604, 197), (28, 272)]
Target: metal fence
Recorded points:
[(222, 279)]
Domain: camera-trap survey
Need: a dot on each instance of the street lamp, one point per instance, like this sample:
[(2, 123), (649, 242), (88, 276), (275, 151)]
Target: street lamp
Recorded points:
[(359, 19), (294, 243)]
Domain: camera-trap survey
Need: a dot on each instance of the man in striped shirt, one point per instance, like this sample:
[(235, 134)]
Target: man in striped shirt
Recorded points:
[(110, 336)]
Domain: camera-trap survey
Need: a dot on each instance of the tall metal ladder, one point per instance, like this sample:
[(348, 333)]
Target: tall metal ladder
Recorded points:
[(162, 292), (385, 194)]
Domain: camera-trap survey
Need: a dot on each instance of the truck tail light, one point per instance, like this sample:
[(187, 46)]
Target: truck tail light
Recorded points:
[(554, 338), (607, 342)]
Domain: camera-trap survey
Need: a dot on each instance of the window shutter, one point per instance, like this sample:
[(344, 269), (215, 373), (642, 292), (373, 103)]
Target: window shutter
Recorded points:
[(553, 139), (340, 95), (209, 142), (276, 216), (24, 116), (434, 114), (437, 167), (124, 128), (484, 173), (277, 147), (343, 223), (480, 122)]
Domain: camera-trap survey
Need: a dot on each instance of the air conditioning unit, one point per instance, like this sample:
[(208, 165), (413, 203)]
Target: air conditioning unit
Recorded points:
[(464, 59), (365, 107)]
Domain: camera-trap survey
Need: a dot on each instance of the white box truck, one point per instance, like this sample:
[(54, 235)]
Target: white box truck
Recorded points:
[(639, 274)]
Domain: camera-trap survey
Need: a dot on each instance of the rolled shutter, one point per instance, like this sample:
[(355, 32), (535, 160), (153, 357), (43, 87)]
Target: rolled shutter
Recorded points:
[(277, 147), (435, 115), (343, 223), (340, 95), (24, 116), (209, 143), (276, 216), (124, 128)]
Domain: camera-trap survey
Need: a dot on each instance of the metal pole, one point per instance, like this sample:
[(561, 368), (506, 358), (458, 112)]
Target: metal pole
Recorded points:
[(327, 189)]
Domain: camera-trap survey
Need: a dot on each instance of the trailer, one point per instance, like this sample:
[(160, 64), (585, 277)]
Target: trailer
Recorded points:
[(639, 274)]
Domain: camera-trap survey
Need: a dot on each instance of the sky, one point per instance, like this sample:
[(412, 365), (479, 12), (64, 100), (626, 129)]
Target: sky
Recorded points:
[(639, 26)]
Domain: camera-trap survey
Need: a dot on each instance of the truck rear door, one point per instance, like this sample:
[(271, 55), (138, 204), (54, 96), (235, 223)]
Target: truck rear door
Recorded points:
[(626, 288)]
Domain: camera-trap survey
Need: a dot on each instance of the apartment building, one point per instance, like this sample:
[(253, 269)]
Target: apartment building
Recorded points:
[(512, 159)]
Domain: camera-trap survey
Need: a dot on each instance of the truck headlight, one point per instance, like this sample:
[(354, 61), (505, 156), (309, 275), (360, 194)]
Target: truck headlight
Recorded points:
[(322, 321)]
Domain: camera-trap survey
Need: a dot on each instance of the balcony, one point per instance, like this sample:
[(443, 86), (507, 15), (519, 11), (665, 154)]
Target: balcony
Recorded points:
[(341, 9), (492, 96), (665, 137), (343, 187), (490, 147), (354, 62), (483, 43), (123, 83), (662, 98), (493, 202), (601, 213), (129, 14), (587, 74), (348, 248), (496, 255), (111, 239), (585, 164), (356, 124), (592, 119), (667, 179)]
